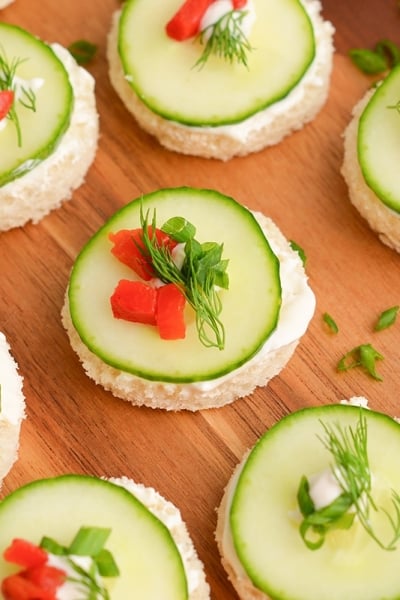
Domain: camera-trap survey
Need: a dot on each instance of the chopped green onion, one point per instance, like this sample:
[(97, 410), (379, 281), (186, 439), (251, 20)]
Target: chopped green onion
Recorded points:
[(385, 55), (361, 356), (299, 250), (89, 541), (179, 229), (106, 564), (330, 322), (387, 318), (82, 51)]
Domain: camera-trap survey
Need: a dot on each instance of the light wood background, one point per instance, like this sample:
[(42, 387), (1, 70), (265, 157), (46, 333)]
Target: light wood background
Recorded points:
[(73, 425)]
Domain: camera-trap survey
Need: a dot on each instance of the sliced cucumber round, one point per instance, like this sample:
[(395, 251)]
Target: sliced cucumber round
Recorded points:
[(31, 135), (263, 512), (140, 543), (379, 141), (160, 70), (250, 307)]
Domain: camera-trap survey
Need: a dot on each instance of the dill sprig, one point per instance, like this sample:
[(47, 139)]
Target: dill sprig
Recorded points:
[(225, 39), (348, 448), (24, 95), (203, 271)]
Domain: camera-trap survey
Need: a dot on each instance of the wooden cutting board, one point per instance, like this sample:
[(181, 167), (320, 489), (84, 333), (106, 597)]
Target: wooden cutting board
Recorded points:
[(73, 425)]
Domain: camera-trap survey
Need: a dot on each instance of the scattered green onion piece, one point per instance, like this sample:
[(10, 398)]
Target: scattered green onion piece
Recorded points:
[(368, 61), (387, 318), (299, 250), (179, 229), (330, 322), (82, 51), (364, 356), (106, 564), (89, 541)]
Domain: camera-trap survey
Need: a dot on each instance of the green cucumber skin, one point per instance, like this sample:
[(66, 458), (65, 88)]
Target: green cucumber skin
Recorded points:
[(354, 568), (186, 360), (57, 507), (220, 84), (378, 143), (31, 122)]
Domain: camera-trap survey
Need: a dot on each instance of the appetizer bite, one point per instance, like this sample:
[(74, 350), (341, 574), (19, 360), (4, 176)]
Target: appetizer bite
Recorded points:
[(12, 408), (371, 157), (220, 78), (313, 510), (185, 299), (96, 538), (48, 126)]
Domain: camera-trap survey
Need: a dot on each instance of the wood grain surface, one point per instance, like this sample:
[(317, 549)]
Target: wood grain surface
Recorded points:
[(73, 425)]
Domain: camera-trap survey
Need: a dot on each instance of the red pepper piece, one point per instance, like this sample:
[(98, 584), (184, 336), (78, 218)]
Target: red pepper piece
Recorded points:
[(186, 22), (25, 554), (6, 102), (16, 587), (170, 312), (46, 577), (238, 4), (134, 301), (127, 248)]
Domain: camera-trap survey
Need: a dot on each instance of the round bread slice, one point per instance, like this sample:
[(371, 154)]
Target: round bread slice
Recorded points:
[(171, 516), (297, 309), (265, 128), (44, 188), (12, 408), (383, 220)]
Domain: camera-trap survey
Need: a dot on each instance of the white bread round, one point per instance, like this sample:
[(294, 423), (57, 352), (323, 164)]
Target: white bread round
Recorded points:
[(267, 363), (172, 519), (383, 220), (12, 408), (45, 187), (263, 129)]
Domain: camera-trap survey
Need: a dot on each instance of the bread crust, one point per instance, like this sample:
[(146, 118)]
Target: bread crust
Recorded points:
[(223, 143), (175, 396), (52, 181), (170, 515), (384, 221)]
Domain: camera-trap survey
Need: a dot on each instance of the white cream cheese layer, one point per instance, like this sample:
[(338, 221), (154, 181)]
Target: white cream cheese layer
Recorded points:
[(11, 394)]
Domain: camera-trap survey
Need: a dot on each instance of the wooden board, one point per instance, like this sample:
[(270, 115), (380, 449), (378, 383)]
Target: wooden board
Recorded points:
[(73, 425)]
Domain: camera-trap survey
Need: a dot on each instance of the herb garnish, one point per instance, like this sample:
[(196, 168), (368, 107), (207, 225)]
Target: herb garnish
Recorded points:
[(348, 448), (82, 51), (384, 56), (202, 273), (330, 322), (225, 39), (89, 541), (24, 95), (300, 251), (387, 318), (364, 356)]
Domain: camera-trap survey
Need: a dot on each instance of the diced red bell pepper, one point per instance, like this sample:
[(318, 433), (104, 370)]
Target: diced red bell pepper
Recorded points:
[(24, 553), (46, 577), (6, 102), (186, 21), (17, 587), (128, 246), (238, 4), (170, 312), (134, 301)]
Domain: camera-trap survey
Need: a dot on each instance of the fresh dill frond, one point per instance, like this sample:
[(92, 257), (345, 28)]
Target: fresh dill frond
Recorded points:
[(225, 39)]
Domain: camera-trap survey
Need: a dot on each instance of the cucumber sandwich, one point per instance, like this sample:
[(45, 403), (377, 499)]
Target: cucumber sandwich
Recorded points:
[(48, 126), (185, 299), (12, 408), (77, 536), (371, 157), (220, 78), (313, 510)]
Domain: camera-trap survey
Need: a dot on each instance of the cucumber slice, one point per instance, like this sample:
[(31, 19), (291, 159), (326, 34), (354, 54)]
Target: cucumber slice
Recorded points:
[(250, 306), (140, 543), (379, 141), (41, 130), (160, 70), (265, 531)]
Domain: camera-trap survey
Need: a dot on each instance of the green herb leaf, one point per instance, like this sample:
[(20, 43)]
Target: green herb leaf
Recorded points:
[(348, 447), (361, 356), (82, 51), (225, 39), (368, 61), (203, 270), (387, 318), (299, 250), (179, 229), (389, 50), (330, 322)]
